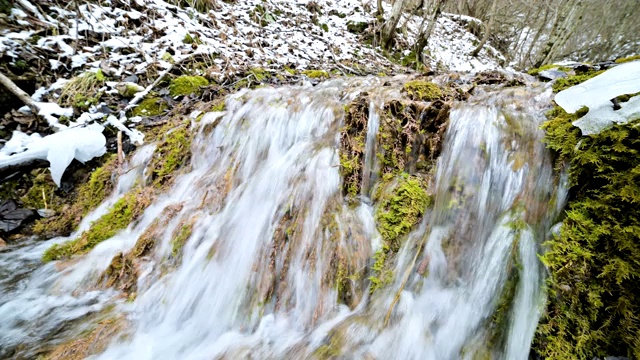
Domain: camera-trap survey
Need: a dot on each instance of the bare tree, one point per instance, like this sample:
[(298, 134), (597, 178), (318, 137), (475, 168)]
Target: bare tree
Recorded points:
[(423, 36), (388, 32), (487, 29)]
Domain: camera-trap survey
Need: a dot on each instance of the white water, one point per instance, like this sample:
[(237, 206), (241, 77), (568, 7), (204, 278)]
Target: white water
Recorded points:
[(244, 290)]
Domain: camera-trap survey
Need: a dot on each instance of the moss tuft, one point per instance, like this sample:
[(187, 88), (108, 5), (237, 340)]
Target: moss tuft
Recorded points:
[(179, 239), (82, 91), (121, 214), (150, 107), (401, 208), (173, 152), (422, 90), (628, 59), (90, 194), (593, 308), (316, 74), (186, 85)]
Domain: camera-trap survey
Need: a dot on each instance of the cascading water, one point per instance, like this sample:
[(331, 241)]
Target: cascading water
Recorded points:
[(270, 231)]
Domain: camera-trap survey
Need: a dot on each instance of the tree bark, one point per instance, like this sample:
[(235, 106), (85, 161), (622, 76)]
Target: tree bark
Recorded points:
[(389, 28), (380, 8), (487, 29), (423, 37)]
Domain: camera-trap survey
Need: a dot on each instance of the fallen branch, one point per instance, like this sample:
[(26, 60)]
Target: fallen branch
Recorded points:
[(23, 96)]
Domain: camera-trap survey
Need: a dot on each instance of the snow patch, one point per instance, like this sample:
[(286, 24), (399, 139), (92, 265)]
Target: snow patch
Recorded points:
[(596, 94)]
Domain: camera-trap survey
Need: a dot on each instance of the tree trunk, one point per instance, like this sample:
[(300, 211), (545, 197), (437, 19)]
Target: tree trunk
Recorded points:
[(563, 32), (487, 29), (380, 8), (423, 37), (389, 28)]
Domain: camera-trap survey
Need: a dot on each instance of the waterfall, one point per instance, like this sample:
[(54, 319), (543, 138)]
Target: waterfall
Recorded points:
[(270, 231)]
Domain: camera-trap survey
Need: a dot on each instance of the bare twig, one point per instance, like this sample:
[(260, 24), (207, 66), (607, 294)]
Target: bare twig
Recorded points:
[(23, 96)]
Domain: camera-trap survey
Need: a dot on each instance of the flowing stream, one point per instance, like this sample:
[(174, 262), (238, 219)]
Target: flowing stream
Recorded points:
[(269, 229)]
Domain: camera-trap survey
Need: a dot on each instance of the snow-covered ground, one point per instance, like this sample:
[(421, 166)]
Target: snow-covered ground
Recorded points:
[(139, 39)]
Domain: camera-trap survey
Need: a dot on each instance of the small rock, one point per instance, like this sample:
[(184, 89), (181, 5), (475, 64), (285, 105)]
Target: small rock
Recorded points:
[(3, 243), (46, 213), (551, 74)]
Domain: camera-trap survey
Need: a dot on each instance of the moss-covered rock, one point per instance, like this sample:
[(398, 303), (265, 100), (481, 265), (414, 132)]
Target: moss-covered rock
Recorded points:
[(121, 214), (422, 90), (593, 306), (150, 106), (186, 85)]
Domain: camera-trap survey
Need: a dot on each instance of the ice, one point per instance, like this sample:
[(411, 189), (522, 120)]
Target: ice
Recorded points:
[(596, 94), (81, 143)]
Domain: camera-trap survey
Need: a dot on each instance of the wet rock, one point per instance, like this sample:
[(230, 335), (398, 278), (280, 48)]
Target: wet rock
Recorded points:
[(551, 74), (12, 216), (3, 243)]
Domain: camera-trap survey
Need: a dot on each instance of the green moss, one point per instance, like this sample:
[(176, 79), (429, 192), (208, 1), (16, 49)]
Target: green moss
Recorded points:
[(89, 195), (186, 85), (401, 208), (259, 74), (324, 27), (179, 240), (173, 152), (82, 91), (565, 83), (352, 143), (42, 194), (5, 7), (536, 71), (220, 105), (332, 350), (290, 70), (151, 106), (628, 59), (357, 27), (188, 39), (129, 90), (422, 90), (316, 74), (593, 306), (121, 214), (167, 57)]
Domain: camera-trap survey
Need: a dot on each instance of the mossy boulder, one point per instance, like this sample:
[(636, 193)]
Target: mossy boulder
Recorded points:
[(422, 90), (186, 85)]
